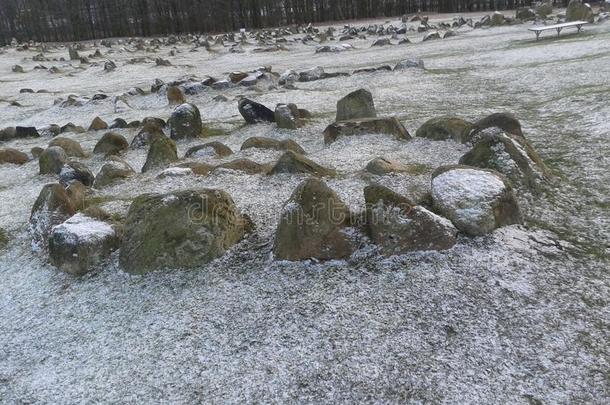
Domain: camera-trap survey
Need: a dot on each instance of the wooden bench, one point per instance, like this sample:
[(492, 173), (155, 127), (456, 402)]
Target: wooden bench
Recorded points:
[(558, 27)]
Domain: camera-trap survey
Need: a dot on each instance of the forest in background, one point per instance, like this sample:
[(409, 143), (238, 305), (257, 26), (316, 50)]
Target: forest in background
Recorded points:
[(76, 20)]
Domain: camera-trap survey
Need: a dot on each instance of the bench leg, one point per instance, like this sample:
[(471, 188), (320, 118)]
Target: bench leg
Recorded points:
[(579, 28), (537, 35), (558, 31)]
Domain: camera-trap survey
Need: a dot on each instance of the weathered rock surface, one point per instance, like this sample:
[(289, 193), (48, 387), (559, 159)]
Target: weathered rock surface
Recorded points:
[(76, 171), (399, 226), (111, 143), (70, 146), (146, 135), (162, 153), (52, 160), (254, 112), (13, 156), (291, 162), (445, 128), (80, 244), (356, 105), (98, 124), (112, 172), (409, 64), (185, 229), (274, 144), (507, 122), (381, 166), (175, 96), (512, 156), (579, 11), (287, 116), (477, 201), (52, 207), (388, 125), (185, 122), (314, 224)]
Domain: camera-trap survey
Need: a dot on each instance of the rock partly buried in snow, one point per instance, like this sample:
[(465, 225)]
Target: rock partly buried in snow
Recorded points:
[(244, 165), (270, 143), (76, 171), (382, 42), (162, 153), (477, 201), (70, 146), (210, 149), (185, 122), (98, 124), (13, 156), (52, 207), (287, 116), (409, 64), (291, 162), (118, 123), (52, 160), (356, 105), (315, 223), (579, 11), (26, 132), (288, 77), (175, 96), (111, 143), (525, 14), (381, 166), (507, 122), (399, 226), (432, 36), (254, 112), (388, 125), (510, 155), (172, 172), (497, 19), (444, 128), (185, 229), (112, 172), (80, 244), (313, 74)]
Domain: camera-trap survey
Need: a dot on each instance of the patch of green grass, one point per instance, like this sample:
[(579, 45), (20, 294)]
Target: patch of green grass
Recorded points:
[(3, 238)]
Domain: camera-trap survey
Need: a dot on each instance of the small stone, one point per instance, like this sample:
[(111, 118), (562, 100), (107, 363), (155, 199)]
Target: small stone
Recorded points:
[(185, 122), (356, 105), (98, 124), (111, 143), (210, 149), (291, 162), (254, 112), (13, 156)]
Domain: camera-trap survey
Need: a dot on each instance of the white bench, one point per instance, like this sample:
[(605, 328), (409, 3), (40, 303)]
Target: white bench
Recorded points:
[(558, 27)]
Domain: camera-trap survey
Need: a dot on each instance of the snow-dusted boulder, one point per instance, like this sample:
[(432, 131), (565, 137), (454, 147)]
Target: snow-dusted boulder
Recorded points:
[(112, 172), (162, 153), (254, 112), (310, 75), (477, 201), (184, 229), (185, 122), (510, 155), (315, 223), (356, 105), (76, 171), (52, 160), (409, 64), (288, 77), (81, 243), (381, 166), (579, 11), (399, 226), (287, 116), (445, 128), (52, 207), (291, 162)]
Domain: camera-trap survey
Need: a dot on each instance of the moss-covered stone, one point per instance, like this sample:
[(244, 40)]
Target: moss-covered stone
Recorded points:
[(52, 160), (216, 149), (270, 143), (70, 146), (111, 143), (356, 105), (291, 162), (184, 229), (52, 207), (162, 153)]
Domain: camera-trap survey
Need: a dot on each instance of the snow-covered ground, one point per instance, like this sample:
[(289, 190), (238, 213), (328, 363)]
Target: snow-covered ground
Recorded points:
[(519, 316)]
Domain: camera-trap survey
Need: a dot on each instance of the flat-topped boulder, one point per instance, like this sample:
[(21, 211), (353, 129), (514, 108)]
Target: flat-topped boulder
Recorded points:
[(270, 143), (184, 229), (477, 201), (80, 244), (387, 125)]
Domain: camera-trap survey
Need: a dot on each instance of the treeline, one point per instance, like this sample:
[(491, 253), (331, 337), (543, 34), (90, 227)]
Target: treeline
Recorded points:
[(75, 20)]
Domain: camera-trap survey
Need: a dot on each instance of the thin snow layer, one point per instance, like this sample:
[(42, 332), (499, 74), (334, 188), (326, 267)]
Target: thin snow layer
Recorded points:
[(467, 196), (81, 228), (518, 316)]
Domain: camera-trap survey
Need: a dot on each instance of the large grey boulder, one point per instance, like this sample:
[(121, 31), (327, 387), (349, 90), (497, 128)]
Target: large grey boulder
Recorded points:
[(387, 125), (315, 224), (80, 244), (185, 122), (184, 229), (477, 201), (52, 160), (512, 156), (356, 105), (52, 207), (399, 226)]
